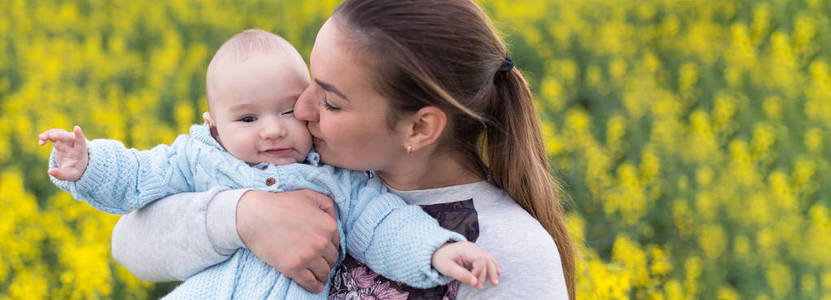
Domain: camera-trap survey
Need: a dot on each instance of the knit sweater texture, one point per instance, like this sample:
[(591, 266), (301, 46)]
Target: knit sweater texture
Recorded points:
[(376, 226)]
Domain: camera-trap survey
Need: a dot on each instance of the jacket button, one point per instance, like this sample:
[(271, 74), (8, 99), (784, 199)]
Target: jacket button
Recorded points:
[(263, 167), (269, 181)]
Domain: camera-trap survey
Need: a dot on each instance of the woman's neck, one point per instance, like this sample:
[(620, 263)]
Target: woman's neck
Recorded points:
[(421, 170)]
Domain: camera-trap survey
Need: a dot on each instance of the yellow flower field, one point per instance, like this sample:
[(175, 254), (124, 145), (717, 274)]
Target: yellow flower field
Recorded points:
[(691, 137)]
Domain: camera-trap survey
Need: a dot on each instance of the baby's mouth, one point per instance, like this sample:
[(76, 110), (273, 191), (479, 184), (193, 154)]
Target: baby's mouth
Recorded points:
[(280, 151)]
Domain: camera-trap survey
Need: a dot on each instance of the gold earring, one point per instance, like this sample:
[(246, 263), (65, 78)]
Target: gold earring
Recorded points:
[(409, 149)]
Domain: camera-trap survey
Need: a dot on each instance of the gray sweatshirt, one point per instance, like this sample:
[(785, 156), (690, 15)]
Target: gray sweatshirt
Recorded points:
[(183, 234)]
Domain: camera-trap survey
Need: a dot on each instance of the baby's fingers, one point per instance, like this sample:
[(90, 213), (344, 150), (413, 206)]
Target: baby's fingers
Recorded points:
[(63, 140), (80, 139), (461, 274), (480, 271), (67, 174), (51, 135), (493, 271)]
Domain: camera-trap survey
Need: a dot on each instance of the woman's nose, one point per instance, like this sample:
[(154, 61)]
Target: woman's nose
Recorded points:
[(305, 108)]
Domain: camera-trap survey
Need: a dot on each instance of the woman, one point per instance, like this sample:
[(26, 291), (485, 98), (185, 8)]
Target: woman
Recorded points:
[(423, 94)]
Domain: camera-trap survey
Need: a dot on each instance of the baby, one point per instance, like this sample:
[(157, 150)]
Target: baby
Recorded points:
[(251, 139)]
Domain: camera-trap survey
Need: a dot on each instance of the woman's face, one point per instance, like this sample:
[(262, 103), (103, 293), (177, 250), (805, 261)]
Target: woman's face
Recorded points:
[(346, 116)]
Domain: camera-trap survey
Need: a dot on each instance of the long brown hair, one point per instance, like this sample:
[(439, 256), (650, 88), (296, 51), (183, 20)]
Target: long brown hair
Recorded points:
[(446, 53)]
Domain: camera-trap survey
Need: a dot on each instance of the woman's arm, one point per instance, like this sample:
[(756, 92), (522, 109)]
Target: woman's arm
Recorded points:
[(178, 236)]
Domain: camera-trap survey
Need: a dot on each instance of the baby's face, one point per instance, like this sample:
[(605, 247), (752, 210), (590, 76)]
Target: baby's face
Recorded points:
[(253, 109)]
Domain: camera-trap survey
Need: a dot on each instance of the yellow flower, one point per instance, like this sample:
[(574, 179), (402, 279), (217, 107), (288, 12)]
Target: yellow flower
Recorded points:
[(650, 166), (682, 217), (826, 282), (617, 69), (706, 206), (723, 111), (704, 176), (741, 248), (615, 130), (773, 107), (805, 28), (803, 176), (661, 264), (552, 93), (577, 120), (761, 22), (780, 189), (687, 77), (692, 268), (779, 279), (727, 293), (594, 77), (808, 284), (712, 241), (814, 139), (673, 290), (28, 284)]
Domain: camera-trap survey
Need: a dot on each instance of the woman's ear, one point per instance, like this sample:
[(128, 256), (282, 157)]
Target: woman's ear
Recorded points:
[(425, 127)]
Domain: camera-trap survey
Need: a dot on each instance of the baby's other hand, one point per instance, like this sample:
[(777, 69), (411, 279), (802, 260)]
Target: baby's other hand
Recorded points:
[(70, 152), (467, 263)]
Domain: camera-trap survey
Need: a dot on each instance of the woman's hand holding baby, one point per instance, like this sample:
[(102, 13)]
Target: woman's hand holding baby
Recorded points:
[(70, 152), (295, 232), (453, 260)]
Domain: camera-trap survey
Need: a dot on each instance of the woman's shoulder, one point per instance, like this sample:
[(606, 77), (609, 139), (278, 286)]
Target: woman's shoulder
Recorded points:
[(502, 218), (506, 226)]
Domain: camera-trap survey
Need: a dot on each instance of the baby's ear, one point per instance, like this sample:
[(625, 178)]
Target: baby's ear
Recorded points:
[(207, 117)]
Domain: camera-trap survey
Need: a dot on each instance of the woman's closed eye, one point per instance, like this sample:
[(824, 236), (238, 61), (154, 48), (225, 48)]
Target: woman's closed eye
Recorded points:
[(327, 105), (288, 113)]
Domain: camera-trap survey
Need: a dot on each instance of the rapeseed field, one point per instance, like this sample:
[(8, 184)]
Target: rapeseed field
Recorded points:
[(691, 137)]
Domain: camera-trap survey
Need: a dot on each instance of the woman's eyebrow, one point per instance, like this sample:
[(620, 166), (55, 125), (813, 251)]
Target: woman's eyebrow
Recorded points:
[(331, 88)]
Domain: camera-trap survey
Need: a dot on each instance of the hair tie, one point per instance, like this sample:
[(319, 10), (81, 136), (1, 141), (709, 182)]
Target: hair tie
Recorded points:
[(508, 64)]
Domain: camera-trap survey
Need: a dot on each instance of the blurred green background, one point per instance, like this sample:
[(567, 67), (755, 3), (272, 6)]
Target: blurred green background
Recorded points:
[(692, 137)]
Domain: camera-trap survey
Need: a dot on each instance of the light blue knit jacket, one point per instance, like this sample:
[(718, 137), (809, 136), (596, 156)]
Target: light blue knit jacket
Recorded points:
[(377, 227)]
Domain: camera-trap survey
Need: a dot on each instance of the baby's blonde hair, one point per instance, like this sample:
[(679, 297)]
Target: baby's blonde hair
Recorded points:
[(244, 45)]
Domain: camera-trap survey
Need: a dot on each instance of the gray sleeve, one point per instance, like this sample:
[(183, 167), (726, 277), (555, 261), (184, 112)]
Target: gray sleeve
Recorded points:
[(178, 236), (535, 275), (526, 253)]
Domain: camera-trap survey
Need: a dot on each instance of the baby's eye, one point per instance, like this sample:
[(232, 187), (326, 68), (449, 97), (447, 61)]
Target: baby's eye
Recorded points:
[(291, 112), (248, 119)]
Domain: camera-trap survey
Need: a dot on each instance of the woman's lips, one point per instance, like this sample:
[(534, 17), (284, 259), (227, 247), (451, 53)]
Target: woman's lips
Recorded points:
[(315, 138)]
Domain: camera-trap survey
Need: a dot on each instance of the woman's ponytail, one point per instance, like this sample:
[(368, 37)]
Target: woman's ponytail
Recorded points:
[(517, 162)]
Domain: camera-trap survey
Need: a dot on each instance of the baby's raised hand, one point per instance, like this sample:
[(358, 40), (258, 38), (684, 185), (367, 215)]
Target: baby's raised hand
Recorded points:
[(455, 259), (70, 152)]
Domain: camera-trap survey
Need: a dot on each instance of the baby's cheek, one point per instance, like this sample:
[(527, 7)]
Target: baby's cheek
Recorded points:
[(304, 139), (241, 149)]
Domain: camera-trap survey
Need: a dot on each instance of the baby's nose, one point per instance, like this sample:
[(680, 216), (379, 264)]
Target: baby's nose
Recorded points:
[(274, 130)]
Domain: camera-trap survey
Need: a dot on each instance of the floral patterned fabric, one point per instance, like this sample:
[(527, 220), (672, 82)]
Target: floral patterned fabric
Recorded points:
[(355, 281)]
